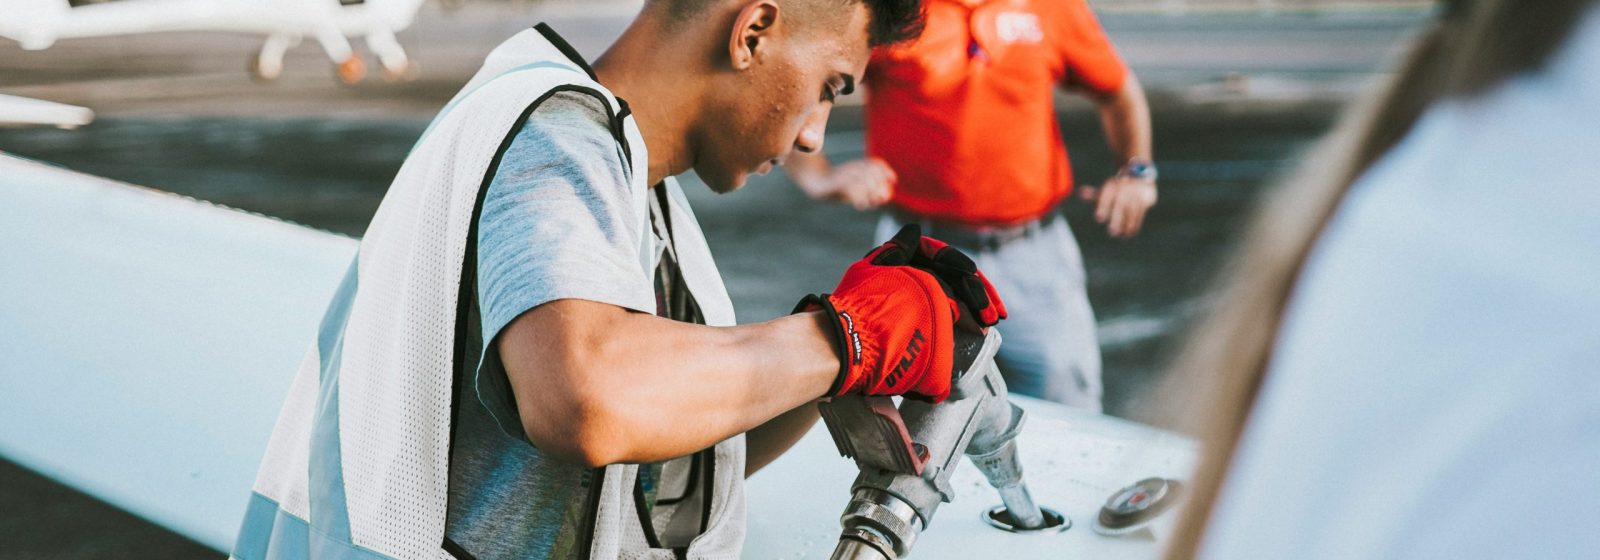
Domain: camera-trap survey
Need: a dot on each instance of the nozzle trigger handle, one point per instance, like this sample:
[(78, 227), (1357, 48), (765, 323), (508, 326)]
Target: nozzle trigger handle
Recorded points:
[(871, 430)]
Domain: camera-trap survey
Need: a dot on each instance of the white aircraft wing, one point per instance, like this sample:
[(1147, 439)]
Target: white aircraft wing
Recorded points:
[(147, 340)]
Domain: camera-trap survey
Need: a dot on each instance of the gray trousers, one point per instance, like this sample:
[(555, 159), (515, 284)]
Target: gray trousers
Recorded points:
[(1049, 348)]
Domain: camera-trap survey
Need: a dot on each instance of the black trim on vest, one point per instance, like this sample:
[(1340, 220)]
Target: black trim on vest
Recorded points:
[(615, 118), (621, 115), (456, 551), (619, 127), (666, 213), (691, 483), (711, 489), (565, 48), (643, 512), (467, 300), (591, 508)]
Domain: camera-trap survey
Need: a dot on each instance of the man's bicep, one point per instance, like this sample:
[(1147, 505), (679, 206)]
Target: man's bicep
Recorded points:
[(536, 351), (544, 334)]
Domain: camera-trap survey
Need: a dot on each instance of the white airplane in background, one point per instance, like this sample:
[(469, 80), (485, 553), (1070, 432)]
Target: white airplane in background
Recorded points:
[(38, 24)]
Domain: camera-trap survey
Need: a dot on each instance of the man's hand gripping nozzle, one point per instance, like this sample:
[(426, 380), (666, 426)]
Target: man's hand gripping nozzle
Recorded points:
[(907, 455)]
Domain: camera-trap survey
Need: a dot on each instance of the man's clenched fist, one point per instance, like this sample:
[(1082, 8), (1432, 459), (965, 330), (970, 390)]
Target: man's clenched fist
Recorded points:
[(895, 312)]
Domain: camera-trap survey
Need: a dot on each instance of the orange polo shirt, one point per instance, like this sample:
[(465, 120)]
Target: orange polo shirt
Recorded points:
[(966, 114)]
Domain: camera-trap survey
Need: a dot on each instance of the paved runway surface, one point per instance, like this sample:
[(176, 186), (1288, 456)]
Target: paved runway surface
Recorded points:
[(1238, 97)]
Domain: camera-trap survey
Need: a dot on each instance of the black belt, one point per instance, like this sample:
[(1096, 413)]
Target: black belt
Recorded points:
[(977, 238)]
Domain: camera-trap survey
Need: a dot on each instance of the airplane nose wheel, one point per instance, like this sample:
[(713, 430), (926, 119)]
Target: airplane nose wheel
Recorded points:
[(263, 68), (408, 72), (351, 71)]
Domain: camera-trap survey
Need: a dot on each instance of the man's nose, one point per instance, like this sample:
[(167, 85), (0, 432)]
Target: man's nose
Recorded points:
[(811, 134)]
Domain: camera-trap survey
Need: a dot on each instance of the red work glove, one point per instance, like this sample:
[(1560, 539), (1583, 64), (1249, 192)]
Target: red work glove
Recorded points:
[(960, 276), (894, 316)]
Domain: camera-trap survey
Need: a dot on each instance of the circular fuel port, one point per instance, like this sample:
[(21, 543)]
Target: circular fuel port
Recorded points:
[(1054, 522)]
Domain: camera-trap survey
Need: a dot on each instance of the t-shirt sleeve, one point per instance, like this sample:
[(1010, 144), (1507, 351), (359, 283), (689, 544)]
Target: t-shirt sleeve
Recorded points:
[(558, 222), (1088, 58)]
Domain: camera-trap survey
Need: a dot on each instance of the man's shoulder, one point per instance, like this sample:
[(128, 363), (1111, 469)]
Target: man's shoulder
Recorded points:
[(572, 112), (567, 131)]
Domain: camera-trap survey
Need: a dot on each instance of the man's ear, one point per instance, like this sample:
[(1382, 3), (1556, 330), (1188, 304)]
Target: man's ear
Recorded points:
[(752, 32)]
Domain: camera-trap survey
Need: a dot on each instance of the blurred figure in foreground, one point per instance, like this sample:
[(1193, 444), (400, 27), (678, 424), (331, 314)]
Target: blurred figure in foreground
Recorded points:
[(1405, 358), (962, 139)]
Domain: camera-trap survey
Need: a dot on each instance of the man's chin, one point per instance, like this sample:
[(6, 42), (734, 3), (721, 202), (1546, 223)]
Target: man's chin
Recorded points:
[(725, 183)]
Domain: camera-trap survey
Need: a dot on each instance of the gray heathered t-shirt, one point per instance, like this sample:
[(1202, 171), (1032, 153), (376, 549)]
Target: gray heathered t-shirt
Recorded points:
[(556, 224)]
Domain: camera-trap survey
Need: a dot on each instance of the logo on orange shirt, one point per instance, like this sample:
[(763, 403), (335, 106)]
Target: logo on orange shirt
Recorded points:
[(1019, 27)]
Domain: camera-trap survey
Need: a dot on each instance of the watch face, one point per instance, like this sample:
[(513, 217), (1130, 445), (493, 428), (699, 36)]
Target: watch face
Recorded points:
[(1140, 170)]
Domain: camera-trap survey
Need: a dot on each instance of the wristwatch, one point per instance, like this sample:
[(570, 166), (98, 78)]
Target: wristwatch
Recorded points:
[(1141, 169)]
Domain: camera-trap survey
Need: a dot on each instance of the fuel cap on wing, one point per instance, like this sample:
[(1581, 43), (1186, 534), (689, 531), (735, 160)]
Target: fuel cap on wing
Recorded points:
[(1134, 507)]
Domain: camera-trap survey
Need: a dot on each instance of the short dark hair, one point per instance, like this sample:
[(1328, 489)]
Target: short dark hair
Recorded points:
[(894, 21)]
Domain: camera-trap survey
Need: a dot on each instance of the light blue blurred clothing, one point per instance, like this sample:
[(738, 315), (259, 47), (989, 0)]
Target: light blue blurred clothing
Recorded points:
[(1050, 349), (1435, 390)]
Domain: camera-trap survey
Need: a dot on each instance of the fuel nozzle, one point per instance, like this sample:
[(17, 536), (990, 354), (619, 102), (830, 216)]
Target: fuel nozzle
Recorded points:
[(1004, 473), (906, 455)]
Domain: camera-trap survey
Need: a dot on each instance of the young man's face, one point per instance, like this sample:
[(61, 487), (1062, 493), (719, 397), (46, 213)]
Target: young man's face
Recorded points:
[(781, 102)]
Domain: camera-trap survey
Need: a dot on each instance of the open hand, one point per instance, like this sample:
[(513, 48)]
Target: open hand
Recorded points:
[(863, 183), (1121, 204)]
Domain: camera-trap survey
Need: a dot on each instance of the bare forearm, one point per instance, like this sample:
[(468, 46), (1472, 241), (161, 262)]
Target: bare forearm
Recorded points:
[(768, 441), (629, 387), (1125, 117)]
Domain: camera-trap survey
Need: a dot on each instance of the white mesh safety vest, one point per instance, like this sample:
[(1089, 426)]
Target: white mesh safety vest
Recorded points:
[(357, 466)]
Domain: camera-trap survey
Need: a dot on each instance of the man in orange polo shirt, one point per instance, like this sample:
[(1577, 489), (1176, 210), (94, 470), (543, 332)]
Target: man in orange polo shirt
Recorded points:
[(962, 138)]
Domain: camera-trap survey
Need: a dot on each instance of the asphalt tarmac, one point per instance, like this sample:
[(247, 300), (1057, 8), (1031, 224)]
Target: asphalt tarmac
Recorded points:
[(1237, 99)]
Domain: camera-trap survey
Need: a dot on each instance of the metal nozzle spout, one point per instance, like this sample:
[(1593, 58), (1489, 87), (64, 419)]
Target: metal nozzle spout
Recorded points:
[(997, 458), (1025, 514)]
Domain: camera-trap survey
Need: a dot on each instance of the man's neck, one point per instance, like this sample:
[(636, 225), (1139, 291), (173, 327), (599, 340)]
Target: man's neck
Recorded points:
[(648, 71)]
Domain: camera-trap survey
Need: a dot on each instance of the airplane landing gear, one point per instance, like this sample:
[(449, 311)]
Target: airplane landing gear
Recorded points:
[(266, 63), (351, 71), (261, 69), (408, 73), (397, 67)]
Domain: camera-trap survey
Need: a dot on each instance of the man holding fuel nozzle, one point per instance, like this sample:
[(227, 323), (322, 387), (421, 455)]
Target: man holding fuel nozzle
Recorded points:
[(533, 354), (962, 139)]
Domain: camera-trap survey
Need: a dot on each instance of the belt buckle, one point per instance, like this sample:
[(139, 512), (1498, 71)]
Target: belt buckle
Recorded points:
[(995, 238), (985, 238), (990, 240)]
